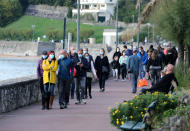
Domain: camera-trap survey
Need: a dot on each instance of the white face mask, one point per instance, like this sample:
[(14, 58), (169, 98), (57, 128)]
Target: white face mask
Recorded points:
[(124, 54), (85, 52)]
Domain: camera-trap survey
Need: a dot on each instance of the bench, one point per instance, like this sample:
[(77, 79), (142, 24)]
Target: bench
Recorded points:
[(140, 125)]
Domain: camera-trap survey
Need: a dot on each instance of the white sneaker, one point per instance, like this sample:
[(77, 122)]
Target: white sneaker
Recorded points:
[(83, 101), (123, 80)]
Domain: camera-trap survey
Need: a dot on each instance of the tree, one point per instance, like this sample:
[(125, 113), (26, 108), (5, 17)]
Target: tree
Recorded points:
[(172, 20)]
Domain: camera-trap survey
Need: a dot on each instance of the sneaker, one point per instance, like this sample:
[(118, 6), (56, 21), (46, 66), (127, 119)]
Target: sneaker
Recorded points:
[(62, 106), (90, 96), (83, 101), (103, 89), (123, 80), (77, 102), (100, 90)]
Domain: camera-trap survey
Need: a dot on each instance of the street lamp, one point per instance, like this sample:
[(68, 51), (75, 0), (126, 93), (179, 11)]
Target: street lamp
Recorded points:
[(78, 26), (117, 38), (33, 27), (148, 32), (139, 14)]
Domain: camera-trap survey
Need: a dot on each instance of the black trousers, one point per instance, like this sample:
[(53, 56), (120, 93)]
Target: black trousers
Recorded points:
[(41, 85), (88, 86), (123, 71), (102, 80), (64, 91)]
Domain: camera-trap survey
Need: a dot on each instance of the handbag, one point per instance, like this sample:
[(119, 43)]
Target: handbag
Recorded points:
[(142, 83), (105, 69), (89, 75)]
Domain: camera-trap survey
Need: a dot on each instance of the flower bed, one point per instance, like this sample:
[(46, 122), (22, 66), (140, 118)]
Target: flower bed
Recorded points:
[(134, 110)]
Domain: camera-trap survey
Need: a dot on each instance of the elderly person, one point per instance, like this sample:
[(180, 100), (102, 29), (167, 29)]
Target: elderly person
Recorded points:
[(133, 69), (165, 83), (64, 78)]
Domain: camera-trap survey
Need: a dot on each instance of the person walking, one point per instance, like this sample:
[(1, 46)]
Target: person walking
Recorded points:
[(115, 67), (117, 55), (49, 66), (123, 65), (73, 55), (154, 67), (133, 69), (102, 68), (81, 66), (90, 73), (144, 59), (65, 78), (40, 72)]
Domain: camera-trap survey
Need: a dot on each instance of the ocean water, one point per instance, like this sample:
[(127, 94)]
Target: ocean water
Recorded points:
[(11, 68)]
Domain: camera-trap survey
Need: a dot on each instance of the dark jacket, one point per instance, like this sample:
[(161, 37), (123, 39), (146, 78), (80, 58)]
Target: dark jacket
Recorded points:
[(115, 64), (164, 84), (40, 69), (117, 54), (63, 73), (81, 71), (99, 63), (155, 63), (73, 56), (129, 52)]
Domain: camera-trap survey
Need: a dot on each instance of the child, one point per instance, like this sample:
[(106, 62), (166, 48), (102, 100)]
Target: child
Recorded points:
[(115, 67)]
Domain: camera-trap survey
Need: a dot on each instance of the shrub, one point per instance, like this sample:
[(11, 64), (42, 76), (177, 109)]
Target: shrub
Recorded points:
[(85, 34), (135, 109), (52, 34)]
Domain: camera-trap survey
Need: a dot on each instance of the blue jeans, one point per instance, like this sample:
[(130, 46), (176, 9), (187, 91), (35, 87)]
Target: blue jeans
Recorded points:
[(134, 77), (80, 84), (142, 71), (49, 89)]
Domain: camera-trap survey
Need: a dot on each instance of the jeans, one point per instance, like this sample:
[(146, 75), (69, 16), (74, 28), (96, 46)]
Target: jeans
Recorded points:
[(155, 76), (102, 80), (73, 89), (142, 71), (80, 87), (49, 89), (134, 77), (88, 86), (42, 90), (64, 91), (115, 73)]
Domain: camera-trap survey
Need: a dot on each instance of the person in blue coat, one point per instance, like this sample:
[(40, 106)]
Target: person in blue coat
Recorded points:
[(143, 61), (65, 76)]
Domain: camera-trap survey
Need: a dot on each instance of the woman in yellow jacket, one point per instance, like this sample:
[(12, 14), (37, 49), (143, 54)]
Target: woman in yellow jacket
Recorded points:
[(49, 66)]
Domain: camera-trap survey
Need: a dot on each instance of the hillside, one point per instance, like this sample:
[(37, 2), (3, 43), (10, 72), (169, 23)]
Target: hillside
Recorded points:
[(44, 25)]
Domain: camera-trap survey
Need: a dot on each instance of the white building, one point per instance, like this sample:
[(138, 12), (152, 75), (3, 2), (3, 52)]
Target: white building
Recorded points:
[(102, 10), (109, 36)]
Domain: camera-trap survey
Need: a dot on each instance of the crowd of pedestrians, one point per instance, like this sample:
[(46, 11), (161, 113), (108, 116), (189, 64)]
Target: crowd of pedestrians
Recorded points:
[(75, 70)]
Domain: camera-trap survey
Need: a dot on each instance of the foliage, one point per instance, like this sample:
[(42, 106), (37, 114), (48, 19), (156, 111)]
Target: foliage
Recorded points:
[(144, 34), (88, 17), (85, 34), (182, 73), (10, 10), (127, 8), (135, 109), (53, 2)]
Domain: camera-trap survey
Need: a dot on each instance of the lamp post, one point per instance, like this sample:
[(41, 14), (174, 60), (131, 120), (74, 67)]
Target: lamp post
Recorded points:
[(139, 13), (33, 27), (78, 26), (117, 38), (148, 32)]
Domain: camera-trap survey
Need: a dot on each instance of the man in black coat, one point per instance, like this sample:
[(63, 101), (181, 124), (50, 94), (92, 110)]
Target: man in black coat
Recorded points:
[(165, 83)]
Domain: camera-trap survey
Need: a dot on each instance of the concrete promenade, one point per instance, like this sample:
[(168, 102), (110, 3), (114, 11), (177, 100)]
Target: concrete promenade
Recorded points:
[(94, 116)]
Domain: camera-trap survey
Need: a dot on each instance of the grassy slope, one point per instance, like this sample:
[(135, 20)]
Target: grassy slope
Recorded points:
[(44, 24)]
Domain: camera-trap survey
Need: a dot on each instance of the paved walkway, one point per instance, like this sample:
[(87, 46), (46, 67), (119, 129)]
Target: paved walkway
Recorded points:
[(94, 116)]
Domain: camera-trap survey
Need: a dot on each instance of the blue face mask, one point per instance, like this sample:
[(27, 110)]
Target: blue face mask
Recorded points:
[(51, 56), (101, 53), (61, 56), (80, 55), (86, 58), (85, 52), (44, 57)]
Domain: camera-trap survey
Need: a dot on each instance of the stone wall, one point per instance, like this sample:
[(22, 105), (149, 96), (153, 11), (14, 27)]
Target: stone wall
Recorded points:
[(18, 93), (47, 11)]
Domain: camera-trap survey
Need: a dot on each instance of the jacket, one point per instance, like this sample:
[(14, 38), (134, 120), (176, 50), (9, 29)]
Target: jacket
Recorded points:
[(117, 54), (40, 70), (99, 63), (123, 60), (133, 64), (157, 62), (49, 73), (115, 64), (144, 58), (65, 74), (81, 71), (129, 52)]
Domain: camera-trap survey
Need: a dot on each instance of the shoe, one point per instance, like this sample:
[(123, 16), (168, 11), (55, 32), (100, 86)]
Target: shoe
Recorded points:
[(103, 89), (100, 90), (77, 102), (85, 97), (90, 96), (62, 106), (123, 80), (83, 101)]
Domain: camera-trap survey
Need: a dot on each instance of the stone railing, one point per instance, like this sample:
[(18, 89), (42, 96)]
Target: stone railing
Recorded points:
[(18, 93)]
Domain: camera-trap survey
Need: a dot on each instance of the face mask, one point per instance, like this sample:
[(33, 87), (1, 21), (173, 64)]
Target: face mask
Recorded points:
[(44, 56), (80, 55), (61, 56), (85, 52), (101, 53), (123, 53), (86, 58), (51, 56), (118, 50)]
